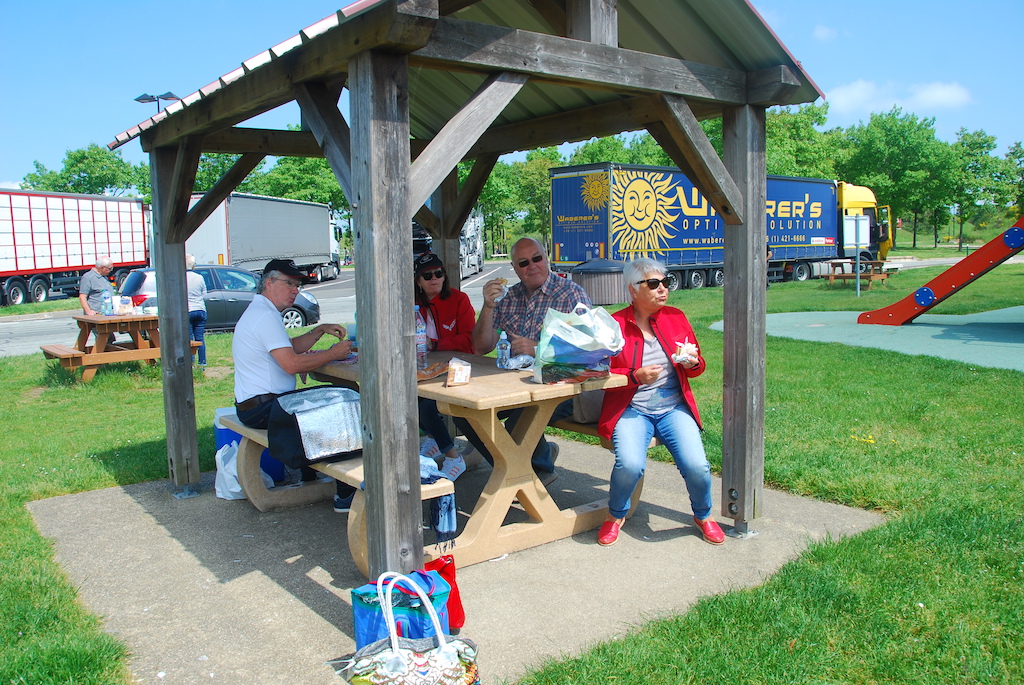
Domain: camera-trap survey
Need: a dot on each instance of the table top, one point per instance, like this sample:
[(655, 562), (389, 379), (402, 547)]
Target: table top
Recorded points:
[(489, 387), (103, 318)]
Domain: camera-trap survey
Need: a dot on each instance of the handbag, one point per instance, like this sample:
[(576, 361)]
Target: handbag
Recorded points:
[(435, 660), (577, 345), (445, 567), (411, 618)]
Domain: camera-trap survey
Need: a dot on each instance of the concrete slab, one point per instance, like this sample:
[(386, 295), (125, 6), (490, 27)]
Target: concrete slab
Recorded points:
[(205, 589)]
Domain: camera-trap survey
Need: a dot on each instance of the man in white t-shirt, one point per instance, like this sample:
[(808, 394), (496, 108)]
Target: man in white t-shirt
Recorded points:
[(267, 358)]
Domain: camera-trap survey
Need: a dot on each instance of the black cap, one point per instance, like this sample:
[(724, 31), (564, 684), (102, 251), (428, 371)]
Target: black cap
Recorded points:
[(425, 261), (287, 267)]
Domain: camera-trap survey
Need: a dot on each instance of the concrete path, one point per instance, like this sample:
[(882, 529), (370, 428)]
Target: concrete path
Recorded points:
[(204, 589)]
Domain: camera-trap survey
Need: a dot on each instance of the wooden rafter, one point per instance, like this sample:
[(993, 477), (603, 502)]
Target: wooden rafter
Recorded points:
[(320, 112)]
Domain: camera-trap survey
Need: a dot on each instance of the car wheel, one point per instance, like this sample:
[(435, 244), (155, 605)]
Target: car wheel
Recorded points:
[(293, 318), (39, 289)]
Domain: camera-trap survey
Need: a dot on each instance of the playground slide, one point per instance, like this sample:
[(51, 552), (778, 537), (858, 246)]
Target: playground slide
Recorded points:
[(952, 280)]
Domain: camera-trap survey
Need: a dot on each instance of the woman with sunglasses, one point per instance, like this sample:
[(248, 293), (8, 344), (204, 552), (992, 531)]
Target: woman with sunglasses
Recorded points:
[(450, 318), (659, 358)]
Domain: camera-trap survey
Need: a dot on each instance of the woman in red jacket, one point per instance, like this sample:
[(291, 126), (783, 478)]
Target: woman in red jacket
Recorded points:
[(450, 318), (659, 358)]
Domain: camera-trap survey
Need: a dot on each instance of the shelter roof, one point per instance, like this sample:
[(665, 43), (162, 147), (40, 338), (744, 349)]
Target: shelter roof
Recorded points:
[(720, 38)]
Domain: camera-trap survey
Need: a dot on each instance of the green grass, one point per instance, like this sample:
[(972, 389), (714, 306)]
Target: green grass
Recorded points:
[(42, 307), (933, 596)]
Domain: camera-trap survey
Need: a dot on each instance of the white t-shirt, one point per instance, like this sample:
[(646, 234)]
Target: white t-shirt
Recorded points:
[(259, 331)]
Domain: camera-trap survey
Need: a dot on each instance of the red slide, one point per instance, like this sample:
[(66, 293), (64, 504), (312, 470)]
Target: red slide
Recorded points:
[(952, 280)]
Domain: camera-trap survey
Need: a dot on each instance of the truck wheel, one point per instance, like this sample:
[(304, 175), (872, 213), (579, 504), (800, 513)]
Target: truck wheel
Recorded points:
[(293, 318), (39, 289), (694, 280), (119, 278), (801, 271), (717, 278), (673, 280), (15, 291)]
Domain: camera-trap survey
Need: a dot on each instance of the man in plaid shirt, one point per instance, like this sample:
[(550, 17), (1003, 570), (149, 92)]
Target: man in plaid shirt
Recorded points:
[(520, 313)]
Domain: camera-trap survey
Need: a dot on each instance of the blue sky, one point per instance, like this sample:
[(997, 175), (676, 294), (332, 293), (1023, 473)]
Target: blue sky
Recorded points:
[(72, 70)]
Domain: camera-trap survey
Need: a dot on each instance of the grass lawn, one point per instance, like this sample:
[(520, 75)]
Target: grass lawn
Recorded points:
[(933, 596)]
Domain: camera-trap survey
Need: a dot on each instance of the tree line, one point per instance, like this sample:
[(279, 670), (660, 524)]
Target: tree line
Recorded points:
[(927, 182)]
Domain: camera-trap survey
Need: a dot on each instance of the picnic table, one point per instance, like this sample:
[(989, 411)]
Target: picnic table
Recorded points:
[(490, 391), (871, 271), (141, 328)]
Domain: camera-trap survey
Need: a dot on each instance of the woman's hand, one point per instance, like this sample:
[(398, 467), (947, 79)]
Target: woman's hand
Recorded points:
[(646, 375)]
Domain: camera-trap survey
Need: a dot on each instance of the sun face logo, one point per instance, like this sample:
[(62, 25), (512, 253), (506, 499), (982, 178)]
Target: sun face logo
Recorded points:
[(641, 216), (594, 191)]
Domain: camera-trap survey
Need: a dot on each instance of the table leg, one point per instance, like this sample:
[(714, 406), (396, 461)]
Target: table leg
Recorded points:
[(486, 536)]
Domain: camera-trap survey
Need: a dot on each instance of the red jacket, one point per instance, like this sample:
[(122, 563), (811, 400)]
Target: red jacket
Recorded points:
[(670, 327), (454, 319)]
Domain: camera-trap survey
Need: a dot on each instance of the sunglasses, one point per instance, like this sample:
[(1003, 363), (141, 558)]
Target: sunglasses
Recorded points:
[(653, 283), (523, 263), (431, 275), (289, 282)]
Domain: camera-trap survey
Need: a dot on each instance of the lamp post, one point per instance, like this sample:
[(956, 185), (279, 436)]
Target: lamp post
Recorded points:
[(146, 97)]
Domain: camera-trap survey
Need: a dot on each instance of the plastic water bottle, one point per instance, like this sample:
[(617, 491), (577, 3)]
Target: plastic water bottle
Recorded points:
[(504, 351), (107, 308), (421, 340)]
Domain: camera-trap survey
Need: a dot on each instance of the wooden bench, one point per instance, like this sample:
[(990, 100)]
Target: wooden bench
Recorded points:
[(72, 358), (870, 278), (69, 357), (350, 471)]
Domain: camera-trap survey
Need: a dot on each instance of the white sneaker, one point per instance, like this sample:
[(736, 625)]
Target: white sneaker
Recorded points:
[(472, 458), (453, 468)]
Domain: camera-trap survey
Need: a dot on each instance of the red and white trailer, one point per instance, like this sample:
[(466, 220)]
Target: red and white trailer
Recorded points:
[(48, 240)]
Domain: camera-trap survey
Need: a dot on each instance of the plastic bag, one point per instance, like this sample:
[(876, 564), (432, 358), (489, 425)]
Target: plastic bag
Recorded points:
[(227, 484), (577, 345)]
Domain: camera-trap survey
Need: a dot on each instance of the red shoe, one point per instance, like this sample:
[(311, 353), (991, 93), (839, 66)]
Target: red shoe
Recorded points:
[(609, 533), (711, 530)]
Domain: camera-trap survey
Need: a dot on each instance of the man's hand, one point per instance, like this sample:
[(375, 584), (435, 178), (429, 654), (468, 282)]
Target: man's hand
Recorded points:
[(492, 291), (341, 349), (522, 345), (335, 329)]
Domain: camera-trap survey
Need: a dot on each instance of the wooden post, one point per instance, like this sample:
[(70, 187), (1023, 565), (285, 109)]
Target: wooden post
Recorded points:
[(379, 85), (168, 176), (744, 321), (596, 21), (447, 245)]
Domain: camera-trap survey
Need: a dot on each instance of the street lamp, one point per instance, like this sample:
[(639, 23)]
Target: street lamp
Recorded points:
[(146, 97)]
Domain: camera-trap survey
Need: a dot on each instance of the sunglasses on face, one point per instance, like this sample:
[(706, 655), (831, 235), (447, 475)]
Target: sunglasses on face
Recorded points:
[(523, 263), (653, 283), (289, 282), (431, 275)]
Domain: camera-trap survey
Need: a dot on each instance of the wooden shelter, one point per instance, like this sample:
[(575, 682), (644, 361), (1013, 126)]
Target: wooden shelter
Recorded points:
[(435, 82)]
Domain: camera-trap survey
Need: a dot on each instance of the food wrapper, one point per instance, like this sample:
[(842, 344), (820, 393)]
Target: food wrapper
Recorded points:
[(459, 372), (685, 351)]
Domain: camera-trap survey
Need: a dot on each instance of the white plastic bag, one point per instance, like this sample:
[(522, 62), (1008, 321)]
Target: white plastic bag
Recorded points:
[(227, 484)]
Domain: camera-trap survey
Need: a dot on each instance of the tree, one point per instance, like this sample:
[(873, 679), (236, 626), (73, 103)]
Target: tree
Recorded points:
[(794, 146), (303, 178), (91, 170), (981, 179), (598, 150), (1015, 173), (535, 189), (500, 204), (213, 166)]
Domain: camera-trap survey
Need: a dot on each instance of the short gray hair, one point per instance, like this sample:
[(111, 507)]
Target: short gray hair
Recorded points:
[(190, 262), (104, 261), (638, 269), (264, 279)]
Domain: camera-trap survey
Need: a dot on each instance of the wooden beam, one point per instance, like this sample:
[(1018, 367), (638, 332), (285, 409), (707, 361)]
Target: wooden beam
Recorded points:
[(269, 142), (445, 7), (457, 44), (210, 200), (428, 220), (471, 188), (379, 84), (553, 12), (595, 21), (320, 112), (772, 86), (395, 25), (743, 354), (168, 257), (182, 183), (458, 135), (709, 173)]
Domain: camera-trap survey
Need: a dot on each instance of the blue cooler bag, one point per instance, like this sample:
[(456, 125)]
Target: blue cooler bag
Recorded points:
[(411, 619)]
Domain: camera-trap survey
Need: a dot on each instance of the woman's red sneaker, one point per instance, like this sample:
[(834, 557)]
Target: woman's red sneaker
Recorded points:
[(609, 533), (711, 530)]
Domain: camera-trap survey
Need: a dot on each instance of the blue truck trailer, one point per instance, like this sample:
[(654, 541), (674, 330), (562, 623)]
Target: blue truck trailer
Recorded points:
[(621, 212)]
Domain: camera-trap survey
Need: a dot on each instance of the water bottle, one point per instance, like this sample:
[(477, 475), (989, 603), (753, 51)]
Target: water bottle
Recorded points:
[(107, 308), (421, 340), (504, 351)]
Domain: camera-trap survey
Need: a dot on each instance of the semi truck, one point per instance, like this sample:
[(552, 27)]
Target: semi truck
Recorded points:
[(621, 212), (48, 240), (471, 245), (248, 231)]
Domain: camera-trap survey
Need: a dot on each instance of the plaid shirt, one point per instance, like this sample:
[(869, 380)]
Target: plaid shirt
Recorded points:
[(520, 314)]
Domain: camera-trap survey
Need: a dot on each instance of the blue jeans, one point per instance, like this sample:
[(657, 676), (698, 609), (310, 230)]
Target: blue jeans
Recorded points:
[(197, 324), (679, 432), (433, 425), (541, 460)]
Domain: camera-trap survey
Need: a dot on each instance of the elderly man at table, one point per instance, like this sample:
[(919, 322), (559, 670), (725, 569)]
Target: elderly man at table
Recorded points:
[(267, 359), (520, 313), (92, 285)]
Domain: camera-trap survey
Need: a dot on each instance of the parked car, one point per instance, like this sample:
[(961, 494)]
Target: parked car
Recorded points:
[(229, 290)]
